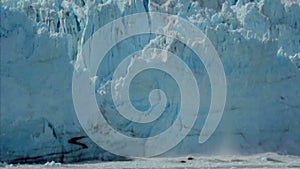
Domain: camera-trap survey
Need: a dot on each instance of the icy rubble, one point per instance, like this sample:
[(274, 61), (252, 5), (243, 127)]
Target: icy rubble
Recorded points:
[(258, 43), (264, 160)]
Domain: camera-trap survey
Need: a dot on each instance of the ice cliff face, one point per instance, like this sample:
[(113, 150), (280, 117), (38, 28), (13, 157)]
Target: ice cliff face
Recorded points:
[(258, 43)]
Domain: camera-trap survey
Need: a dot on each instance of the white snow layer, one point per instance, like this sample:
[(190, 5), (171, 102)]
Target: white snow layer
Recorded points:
[(258, 43)]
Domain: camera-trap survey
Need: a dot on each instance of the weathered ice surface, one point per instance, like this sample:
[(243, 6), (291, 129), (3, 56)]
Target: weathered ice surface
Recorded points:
[(258, 43)]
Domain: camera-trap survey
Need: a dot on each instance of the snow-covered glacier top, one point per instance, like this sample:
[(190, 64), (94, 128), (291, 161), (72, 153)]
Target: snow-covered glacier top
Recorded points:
[(258, 43)]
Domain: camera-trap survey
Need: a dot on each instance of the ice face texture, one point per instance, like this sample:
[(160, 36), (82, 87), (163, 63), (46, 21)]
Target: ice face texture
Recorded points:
[(258, 43)]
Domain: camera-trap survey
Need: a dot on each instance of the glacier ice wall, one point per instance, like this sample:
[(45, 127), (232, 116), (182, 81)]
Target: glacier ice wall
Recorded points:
[(258, 43)]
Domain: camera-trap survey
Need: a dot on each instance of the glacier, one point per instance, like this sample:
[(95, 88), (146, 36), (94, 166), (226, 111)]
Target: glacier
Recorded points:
[(258, 42)]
